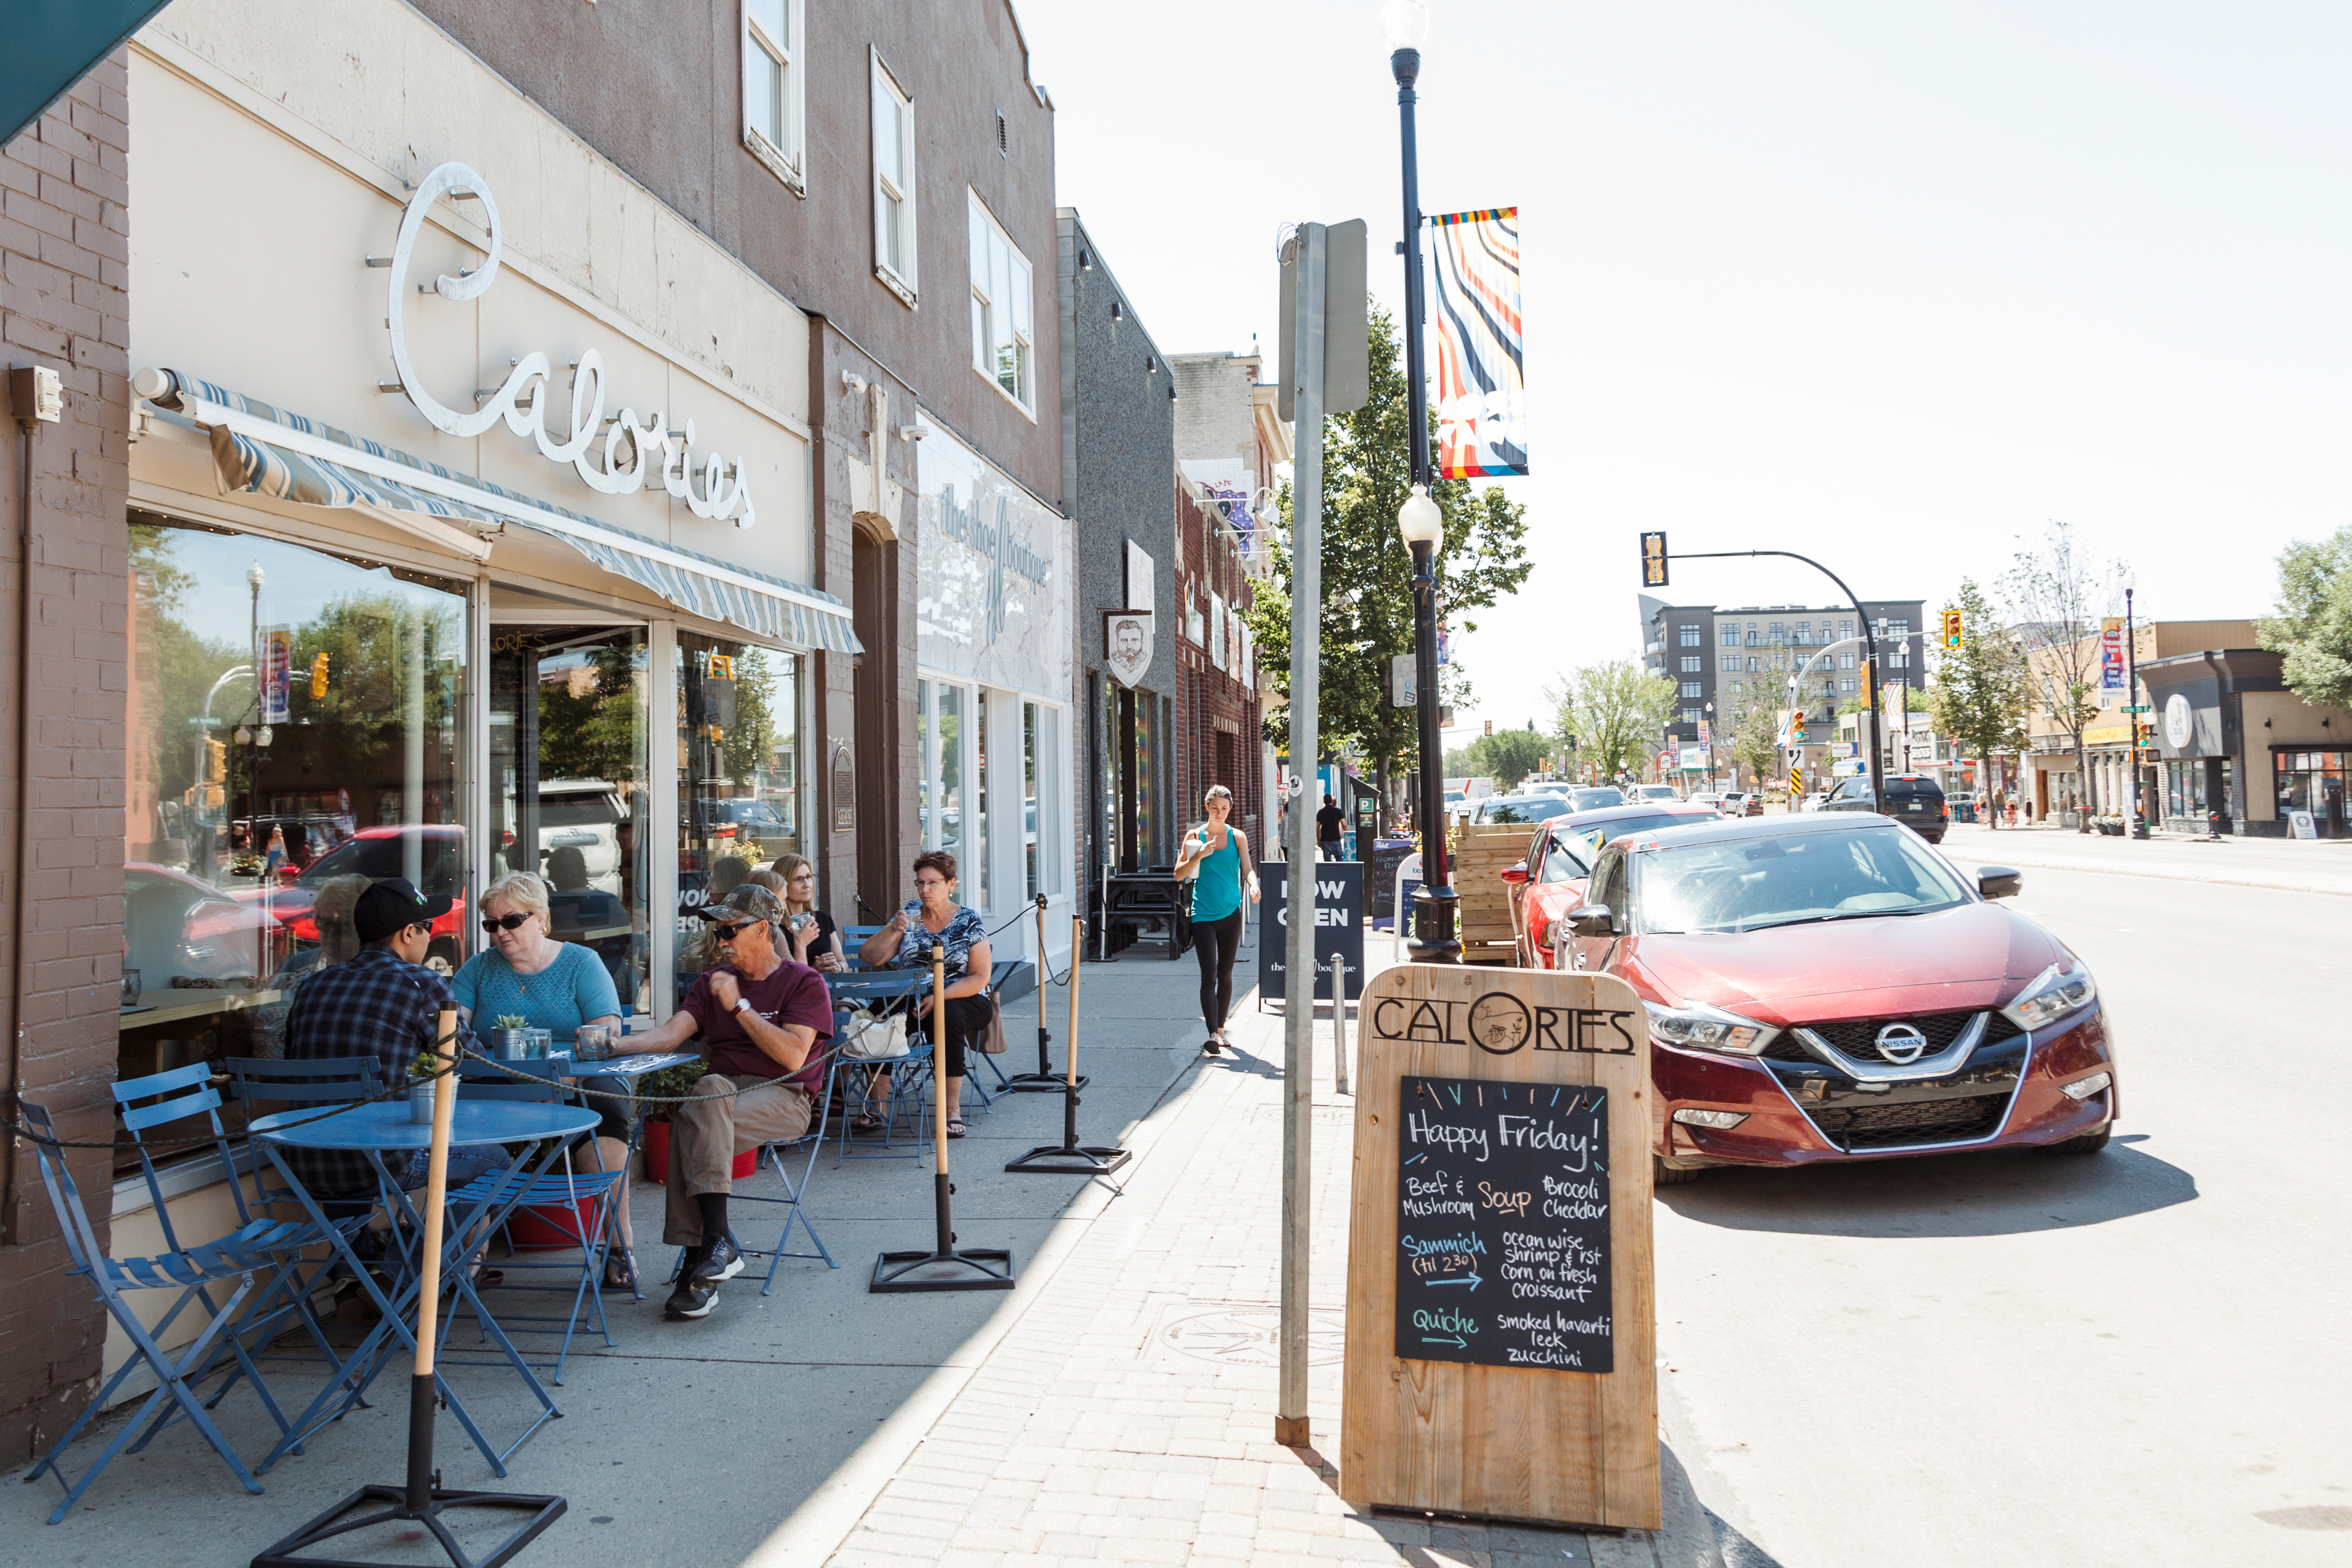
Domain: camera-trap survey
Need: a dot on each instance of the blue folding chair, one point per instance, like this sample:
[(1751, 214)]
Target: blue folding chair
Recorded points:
[(904, 1078), (554, 1197), (253, 1263), (776, 1156)]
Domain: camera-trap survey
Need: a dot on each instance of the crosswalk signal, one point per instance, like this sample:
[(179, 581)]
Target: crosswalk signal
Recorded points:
[(1653, 561), (1952, 630)]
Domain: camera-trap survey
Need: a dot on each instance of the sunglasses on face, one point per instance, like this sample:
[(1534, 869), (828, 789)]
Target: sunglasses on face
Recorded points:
[(727, 933), (505, 922)]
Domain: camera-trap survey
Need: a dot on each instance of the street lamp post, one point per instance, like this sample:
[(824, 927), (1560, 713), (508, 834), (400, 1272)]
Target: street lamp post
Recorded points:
[(2131, 720), (1405, 24)]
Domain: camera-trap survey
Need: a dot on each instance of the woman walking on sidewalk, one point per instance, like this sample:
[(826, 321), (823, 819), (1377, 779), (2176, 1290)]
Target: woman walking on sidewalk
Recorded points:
[(1216, 859)]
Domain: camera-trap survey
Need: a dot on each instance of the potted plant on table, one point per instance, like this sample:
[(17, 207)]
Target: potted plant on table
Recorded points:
[(506, 1036), (421, 1074)]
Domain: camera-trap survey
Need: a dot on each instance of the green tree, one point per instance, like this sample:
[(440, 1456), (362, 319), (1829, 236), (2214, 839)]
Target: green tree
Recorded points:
[(1506, 756), (1978, 693), (1615, 711), (1367, 614), (594, 734), (2051, 592), (2312, 625), (1749, 727), (750, 743)]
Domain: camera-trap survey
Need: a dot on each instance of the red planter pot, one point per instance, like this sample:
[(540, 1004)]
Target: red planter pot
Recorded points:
[(658, 1153), (546, 1226)]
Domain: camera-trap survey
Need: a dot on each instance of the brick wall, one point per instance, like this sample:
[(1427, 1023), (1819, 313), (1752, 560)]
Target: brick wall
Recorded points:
[(64, 303)]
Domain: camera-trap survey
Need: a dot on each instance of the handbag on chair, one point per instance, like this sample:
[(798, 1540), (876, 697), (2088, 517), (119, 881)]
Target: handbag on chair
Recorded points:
[(992, 1039)]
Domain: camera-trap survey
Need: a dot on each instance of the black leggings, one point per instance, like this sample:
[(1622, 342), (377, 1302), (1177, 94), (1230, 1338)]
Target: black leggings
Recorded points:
[(967, 1017), (1216, 942)]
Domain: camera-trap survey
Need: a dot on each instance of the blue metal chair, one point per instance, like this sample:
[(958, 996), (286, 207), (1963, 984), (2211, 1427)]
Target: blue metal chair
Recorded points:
[(253, 1264), (777, 1157), (904, 1078), (554, 1197)]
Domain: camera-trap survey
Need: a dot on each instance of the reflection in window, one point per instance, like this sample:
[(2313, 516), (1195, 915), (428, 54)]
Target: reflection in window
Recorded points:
[(568, 773), (244, 797), (739, 777)]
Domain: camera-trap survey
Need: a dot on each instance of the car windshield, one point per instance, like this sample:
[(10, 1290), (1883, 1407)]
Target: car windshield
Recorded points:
[(1524, 808), (1748, 884), (1596, 834)]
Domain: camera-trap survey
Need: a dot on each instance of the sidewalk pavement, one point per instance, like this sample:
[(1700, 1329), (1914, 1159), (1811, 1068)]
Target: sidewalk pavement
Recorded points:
[(2286, 865), (1118, 1406)]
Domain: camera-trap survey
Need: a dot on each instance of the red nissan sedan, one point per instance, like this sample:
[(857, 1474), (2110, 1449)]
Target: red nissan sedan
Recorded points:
[(1831, 989)]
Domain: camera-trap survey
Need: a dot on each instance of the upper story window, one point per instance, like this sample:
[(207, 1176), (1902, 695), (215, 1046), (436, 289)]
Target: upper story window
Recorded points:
[(894, 184), (1688, 636), (771, 88), (1002, 347), (1690, 664), (1727, 633), (1730, 661), (1846, 629)]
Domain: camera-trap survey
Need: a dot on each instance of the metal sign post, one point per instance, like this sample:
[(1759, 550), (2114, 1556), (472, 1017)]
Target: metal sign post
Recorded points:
[(421, 1500)]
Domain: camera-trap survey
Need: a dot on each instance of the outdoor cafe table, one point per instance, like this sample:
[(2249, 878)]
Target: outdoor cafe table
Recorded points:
[(385, 1129)]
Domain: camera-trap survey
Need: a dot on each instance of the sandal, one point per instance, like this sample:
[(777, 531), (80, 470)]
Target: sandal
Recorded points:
[(956, 1129), (866, 1126), (620, 1271)]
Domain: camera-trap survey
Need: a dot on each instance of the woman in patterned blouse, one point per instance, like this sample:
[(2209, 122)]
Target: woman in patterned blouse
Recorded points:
[(933, 918)]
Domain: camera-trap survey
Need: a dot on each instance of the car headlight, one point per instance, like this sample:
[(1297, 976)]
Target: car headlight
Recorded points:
[(2054, 994), (1708, 1028)]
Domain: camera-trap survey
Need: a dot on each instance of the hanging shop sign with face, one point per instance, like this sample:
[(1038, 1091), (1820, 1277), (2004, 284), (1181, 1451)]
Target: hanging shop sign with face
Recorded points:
[(617, 456)]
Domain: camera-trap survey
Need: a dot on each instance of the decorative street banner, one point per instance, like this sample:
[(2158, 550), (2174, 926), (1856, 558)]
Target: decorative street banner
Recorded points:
[(2111, 653), (1481, 393), (276, 674)]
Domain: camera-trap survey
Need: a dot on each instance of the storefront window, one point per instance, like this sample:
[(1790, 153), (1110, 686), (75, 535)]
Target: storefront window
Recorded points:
[(2315, 782), (245, 796), (739, 775), (946, 718), (568, 784), (975, 873), (1040, 764)]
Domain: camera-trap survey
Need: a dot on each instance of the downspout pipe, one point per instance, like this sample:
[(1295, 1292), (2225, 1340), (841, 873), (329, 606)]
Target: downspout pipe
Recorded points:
[(21, 913)]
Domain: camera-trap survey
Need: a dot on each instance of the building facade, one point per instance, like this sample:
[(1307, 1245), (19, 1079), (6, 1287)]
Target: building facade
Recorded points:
[(64, 290), (889, 170), (1722, 658), (2054, 781)]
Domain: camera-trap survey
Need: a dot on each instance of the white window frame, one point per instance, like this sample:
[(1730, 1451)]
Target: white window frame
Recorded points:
[(785, 160), (981, 223), (886, 91)]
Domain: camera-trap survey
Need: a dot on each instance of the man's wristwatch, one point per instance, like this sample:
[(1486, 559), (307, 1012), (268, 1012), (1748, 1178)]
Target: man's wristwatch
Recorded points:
[(742, 1004)]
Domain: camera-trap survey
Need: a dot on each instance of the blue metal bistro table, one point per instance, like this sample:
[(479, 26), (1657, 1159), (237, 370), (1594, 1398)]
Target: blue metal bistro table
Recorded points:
[(385, 1129)]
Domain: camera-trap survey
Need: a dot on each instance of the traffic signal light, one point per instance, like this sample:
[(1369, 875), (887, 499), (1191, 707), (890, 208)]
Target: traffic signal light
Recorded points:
[(1952, 630), (1797, 731), (318, 676), (1653, 561), (1490, 727)]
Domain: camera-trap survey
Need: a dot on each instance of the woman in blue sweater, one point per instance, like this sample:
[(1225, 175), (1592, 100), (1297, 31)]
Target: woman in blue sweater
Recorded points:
[(1215, 860)]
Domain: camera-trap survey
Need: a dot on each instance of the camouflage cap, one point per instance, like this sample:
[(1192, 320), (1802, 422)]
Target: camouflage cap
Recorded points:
[(749, 901)]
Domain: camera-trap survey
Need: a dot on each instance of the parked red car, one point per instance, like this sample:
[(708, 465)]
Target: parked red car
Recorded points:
[(1830, 988), (1551, 881), (377, 853)]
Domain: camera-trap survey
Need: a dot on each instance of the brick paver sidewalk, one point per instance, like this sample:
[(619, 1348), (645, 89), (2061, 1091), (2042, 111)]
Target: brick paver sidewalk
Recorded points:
[(1129, 1416)]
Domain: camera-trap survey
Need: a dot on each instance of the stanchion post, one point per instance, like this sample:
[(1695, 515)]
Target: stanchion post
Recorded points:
[(1045, 1080), (944, 1267), (420, 1500), (1069, 1158), (1339, 1022)]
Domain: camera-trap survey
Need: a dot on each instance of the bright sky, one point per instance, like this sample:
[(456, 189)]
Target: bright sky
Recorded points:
[(1886, 285)]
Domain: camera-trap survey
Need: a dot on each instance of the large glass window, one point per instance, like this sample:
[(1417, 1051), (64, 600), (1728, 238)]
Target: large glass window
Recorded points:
[(1040, 762), (1002, 331), (739, 773), (568, 786), (2315, 782), (894, 181), (772, 81), (245, 796)]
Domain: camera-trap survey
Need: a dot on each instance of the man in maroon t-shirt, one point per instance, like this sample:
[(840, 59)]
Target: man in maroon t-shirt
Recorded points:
[(762, 1018)]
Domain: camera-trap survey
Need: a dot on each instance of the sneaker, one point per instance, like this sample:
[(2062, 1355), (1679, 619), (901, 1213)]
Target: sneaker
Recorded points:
[(692, 1299), (1210, 1044), (721, 1262)]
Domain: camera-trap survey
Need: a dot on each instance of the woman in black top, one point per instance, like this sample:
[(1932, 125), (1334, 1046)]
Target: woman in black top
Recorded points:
[(816, 939)]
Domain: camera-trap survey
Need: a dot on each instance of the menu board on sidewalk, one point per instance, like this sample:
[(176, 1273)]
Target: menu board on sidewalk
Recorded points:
[(1503, 1224)]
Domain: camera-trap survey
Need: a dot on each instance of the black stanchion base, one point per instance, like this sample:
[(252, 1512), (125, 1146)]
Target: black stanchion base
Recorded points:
[(1044, 1083), (965, 1268), (294, 1551), (1062, 1160)]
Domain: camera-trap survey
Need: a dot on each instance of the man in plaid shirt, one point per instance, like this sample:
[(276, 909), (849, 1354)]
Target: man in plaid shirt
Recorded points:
[(380, 1003)]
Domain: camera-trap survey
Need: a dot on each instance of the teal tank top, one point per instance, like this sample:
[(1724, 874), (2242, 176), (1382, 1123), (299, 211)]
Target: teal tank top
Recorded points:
[(1217, 887)]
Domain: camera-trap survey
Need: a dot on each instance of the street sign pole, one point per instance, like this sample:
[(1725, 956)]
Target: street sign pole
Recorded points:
[(1306, 279)]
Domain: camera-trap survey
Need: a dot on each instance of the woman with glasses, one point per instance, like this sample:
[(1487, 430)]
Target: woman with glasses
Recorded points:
[(557, 986), (816, 939), (1215, 860), (933, 919)]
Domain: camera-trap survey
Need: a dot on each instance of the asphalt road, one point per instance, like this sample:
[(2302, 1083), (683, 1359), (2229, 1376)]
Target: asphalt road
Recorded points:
[(2138, 1357)]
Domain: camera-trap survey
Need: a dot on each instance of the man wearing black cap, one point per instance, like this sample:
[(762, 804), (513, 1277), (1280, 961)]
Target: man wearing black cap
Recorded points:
[(761, 1018), (380, 1003)]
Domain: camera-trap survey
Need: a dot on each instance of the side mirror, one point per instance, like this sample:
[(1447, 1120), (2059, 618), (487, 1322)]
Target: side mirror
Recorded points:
[(1515, 875), (1999, 881), (1593, 919)]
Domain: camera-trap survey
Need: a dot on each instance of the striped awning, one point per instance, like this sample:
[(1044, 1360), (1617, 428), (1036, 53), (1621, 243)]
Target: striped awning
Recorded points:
[(265, 450)]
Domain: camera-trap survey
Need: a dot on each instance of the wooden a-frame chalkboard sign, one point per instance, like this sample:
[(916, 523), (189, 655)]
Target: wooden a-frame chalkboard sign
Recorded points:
[(1500, 1301)]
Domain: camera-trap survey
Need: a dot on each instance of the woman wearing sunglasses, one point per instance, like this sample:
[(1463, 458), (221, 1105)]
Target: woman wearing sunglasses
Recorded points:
[(557, 986)]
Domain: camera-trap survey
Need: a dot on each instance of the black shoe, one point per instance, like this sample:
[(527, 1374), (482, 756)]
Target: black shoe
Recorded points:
[(721, 1262), (692, 1299)]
